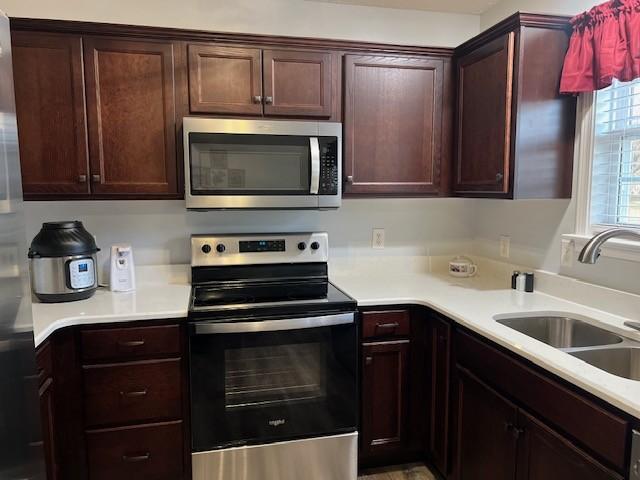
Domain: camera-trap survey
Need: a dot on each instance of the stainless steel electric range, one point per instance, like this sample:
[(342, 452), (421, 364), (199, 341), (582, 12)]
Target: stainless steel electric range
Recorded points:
[(273, 361)]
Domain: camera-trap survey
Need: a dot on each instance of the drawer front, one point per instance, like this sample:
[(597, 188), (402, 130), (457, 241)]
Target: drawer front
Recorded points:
[(130, 342), (603, 432), (132, 392), (390, 323), (44, 362), (150, 452)]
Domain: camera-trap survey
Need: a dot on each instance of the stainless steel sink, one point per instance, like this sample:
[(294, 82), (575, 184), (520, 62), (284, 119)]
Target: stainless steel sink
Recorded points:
[(620, 361), (561, 332)]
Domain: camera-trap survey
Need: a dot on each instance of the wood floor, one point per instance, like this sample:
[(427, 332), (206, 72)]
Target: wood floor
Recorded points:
[(400, 472)]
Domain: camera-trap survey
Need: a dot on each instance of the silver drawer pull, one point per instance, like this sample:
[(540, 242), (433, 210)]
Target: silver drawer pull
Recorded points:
[(136, 458), (388, 325), (132, 343), (138, 393)]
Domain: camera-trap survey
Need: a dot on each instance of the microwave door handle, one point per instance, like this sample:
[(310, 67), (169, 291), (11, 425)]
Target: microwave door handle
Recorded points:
[(315, 165), (207, 328)]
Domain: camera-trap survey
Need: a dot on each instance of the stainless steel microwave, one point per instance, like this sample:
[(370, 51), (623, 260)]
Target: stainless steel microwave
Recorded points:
[(261, 164)]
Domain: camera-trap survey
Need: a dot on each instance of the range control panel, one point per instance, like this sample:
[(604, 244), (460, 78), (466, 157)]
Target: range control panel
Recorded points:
[(220, 250)]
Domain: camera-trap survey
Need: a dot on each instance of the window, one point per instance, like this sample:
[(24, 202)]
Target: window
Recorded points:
[(615, 167)]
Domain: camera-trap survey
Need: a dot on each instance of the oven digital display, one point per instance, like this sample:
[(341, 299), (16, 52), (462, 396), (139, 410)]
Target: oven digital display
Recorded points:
[(252, 246)]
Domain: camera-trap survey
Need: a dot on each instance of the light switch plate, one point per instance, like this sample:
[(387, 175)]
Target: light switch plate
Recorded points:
[(377, 241), (505, 246)]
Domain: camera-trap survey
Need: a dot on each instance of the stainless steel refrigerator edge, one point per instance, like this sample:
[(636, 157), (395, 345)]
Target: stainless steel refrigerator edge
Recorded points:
[(20, 433)]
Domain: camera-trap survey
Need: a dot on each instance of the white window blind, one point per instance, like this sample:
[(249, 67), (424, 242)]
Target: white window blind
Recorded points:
[(615, 177)]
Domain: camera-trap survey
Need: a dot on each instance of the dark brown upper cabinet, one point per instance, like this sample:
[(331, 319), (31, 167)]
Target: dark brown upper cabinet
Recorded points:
[(514, 131), (297, 83), (131, 114), (256, 82), (225, 80), (393, 125), (49, 92)]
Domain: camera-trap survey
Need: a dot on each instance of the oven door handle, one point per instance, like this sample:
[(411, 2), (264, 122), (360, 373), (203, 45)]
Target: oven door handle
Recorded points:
[(208, 328), (314, 145)]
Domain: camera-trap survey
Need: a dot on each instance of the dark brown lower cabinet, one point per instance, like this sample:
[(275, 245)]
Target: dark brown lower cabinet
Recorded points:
[(48, 429), (384, 393), (544, 454), (499, 441), (149, 452), (440, 345), (487, 441)]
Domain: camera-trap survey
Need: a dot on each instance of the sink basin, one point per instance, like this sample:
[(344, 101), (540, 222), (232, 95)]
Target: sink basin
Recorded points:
[(561, 332), (621, 361)]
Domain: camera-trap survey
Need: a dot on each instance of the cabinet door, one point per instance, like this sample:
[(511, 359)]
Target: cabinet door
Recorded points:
[(384, 397), (47, 423), (485, 87), (440, 357), (297, 83), (131, 110), (225, 80), (487, 440), (544, 454), (49, 89), (393, 125)]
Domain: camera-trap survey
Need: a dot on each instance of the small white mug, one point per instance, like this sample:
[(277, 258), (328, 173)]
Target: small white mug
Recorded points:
[(462, 267)]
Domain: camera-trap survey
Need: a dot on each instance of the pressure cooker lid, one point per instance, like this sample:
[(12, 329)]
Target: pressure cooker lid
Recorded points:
[(59, 239)]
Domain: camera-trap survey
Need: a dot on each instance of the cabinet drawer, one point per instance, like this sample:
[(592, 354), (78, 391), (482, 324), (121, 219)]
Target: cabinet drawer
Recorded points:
[(128, 342), (152, 452), (604, 433), (132, 392), (391, 323)]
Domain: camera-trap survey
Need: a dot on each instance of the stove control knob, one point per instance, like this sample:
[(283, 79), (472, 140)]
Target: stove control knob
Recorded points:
[(315, 246), (302, 246), (206, 248), (220, 248)]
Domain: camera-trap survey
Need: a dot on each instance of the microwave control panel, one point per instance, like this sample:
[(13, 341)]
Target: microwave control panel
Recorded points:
[(328, 166)]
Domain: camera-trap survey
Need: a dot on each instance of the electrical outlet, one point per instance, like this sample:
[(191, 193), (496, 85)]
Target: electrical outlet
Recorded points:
[(378, 238), (567, 253), (505, 246)]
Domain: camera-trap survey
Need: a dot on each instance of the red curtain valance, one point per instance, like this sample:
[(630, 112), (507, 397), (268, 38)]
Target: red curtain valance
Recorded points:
[(605, 45)]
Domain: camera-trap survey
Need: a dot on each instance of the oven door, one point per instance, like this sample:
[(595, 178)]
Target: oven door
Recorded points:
[(255, 382)]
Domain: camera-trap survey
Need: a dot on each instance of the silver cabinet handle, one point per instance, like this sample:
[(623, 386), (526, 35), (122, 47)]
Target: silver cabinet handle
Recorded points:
[(499, 177), (140, 393), (350, 179), (82, 178), (257, 99), (314, 185), (136, 458), (95, 178), (268, 100), (205, 328)]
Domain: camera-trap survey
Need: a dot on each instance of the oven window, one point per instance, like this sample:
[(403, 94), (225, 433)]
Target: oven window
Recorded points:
[(249, 164), (272, 375)]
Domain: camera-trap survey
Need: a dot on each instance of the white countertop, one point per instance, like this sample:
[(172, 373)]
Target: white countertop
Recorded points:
[(474, 302), (163, 292)]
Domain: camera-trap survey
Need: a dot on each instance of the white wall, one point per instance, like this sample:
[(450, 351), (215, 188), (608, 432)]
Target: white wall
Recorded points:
[(536, 226), (556, 7), (278, 17), (159, 230)]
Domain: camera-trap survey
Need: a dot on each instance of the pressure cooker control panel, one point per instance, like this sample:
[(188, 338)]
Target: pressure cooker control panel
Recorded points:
[(82, 273)]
